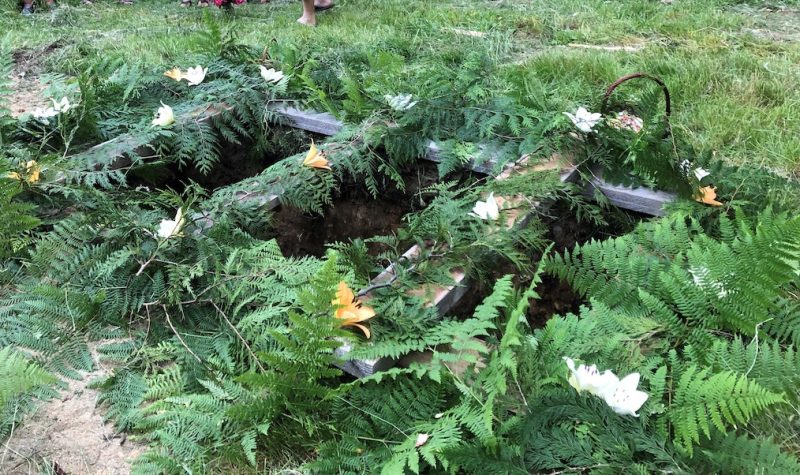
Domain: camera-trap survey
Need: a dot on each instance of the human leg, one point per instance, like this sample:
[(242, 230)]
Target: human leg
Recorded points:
[(309, 17)]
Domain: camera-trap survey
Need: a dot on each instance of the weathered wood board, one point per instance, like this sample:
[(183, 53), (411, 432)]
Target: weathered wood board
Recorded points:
[(641, 200)]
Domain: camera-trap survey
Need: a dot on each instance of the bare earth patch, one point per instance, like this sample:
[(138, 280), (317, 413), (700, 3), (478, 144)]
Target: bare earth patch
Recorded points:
[(67, 435), (27, 92), (779, 24), (26, 95)]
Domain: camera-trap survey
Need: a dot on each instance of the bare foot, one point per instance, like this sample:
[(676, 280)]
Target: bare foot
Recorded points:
[(308, 20)]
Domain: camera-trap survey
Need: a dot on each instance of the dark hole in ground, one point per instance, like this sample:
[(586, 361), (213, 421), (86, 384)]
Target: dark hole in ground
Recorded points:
[(565, 231), (354, 214), (556, 296), (236, 162)]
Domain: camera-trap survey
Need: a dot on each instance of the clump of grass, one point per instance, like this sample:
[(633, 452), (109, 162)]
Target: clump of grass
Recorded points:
[(734, 92)]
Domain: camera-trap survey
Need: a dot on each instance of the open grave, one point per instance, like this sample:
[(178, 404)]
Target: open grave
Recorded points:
[(356, 214)]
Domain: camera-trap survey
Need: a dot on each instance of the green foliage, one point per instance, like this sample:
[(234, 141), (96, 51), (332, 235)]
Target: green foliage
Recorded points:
[(685, 279), (18, 375), (227, 352), (722, 399), (16, 218), (6, 66), (657, 156), (731, 454)]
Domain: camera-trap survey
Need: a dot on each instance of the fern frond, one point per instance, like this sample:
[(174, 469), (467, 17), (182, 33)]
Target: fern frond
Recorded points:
[(704, 400)]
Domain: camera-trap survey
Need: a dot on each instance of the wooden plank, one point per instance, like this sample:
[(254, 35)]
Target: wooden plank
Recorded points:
[(317, 122), (433, 153), (326, 124), (114, 152), (443, 297), (642, 200), (311, 121)]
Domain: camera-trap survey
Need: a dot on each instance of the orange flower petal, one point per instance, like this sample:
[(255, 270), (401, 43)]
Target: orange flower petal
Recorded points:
[(33, 170), (32, 173), (345, 295), (315, 158), (707, 195), (363, 328), (364, 313), (174, 73), (350, 311)]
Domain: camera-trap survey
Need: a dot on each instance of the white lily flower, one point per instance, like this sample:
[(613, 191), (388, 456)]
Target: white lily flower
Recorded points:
[(624, 398), (164, 117), (195, 76), (588, 378), (44, 115), (171, 227), (686, 168), (700, 173), (61, 106), (487, 210), (271, 75), (584, 120), (400, 102)]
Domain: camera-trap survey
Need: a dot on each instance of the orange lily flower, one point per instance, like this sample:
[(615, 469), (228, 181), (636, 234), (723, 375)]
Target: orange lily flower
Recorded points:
[(174, 73), (707, 195), (315, 158), (32, 171), (350, 310)]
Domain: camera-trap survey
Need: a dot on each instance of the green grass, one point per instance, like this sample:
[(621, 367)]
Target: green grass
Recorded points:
[(734, 90)]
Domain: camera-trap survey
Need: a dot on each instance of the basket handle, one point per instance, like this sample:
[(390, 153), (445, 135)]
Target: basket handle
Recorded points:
[(623, 79)]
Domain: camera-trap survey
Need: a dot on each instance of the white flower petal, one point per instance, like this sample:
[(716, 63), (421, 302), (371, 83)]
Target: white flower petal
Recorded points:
[(590, 379), (271, 75), (61, 106), (422, 439), (171, 227), (400, 102), (700, 173), (164, 116), (625, 399), (196, 75), (487, 210), (584, 120)]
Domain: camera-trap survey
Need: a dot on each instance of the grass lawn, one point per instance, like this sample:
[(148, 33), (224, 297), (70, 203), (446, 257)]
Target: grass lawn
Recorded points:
[(732, 68)]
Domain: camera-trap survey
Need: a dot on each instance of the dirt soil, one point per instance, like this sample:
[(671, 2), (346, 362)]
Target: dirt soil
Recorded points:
[(27, 92), (775, 24), (67, 435), (354, 214), (299, 234), (556, 297)]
